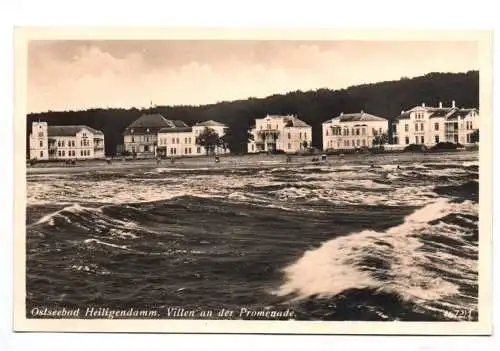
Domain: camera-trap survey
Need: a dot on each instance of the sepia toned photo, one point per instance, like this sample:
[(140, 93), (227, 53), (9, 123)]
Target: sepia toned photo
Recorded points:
[(253, 181)]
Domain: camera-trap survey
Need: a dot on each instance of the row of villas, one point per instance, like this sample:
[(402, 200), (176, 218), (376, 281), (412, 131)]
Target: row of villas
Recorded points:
[(153, 135)]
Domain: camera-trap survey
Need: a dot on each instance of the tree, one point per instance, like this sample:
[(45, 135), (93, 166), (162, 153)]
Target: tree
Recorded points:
[(208, 139), (381, 139), (474, 136)]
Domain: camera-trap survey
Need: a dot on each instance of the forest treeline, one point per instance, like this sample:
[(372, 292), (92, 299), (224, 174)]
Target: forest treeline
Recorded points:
[(384, 99)]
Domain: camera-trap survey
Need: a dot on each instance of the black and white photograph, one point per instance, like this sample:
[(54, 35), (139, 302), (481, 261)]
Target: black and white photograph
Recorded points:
[(282, 179)]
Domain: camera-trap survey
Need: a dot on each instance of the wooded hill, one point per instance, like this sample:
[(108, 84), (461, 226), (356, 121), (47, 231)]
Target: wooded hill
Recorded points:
[(384, 99)]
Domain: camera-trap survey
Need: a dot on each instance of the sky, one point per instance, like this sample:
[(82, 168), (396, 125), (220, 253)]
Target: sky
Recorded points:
[(77, 74)]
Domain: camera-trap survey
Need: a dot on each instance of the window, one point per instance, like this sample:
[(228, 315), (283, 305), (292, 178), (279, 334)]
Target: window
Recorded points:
[(252, 148), (357, 142), (436, 126), (177, 140), (416, 140), (185, 150), (289, 136), (133, 140), (198, 150), (346, 131), (422, 139), (456, 139), (190, 143), (346, 143), (363, 142), (363, 131), (63, 153), (406, 127), (325, 132), (357, 131), (300, 135), (84, 135), (41, 153), (416, 126), (41, 143), (436, 138), (173, 140), (185, 140), (421, 126), (407, 140), (81, 152), (305, 136), (289, 146)]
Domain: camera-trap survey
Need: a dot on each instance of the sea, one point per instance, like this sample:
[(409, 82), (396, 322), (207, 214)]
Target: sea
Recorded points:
[(391, 237)]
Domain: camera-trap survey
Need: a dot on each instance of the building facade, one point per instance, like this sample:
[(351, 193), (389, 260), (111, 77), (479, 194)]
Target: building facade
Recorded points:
[(286, 133), (424, 125), (352, 131), (65, 142), (181, 139), (141, 137)]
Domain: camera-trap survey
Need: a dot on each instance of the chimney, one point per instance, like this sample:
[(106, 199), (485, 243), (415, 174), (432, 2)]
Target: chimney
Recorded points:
[(402, 111), (423, 104), (453, 103), (341, 113), (440, 104)]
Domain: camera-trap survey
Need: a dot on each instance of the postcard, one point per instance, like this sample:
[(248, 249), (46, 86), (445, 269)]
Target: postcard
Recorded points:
[(296, 181)]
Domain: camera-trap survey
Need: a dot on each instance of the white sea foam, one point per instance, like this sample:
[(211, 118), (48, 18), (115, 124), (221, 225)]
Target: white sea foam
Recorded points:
[(97, 241), (336, 265)]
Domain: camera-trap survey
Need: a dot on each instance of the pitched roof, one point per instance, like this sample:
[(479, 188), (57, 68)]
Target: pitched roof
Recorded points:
[(295, 122), (178, 123), (69, 130), (356, 117), (151, 124), (436, 112), (152, 121), (176, 130), (210, 123)]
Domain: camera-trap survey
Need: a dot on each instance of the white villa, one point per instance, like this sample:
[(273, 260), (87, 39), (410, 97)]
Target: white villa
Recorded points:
[(352, 131), (141, 136), (424, 125), (181, 139), (287, 133), (65, 142)]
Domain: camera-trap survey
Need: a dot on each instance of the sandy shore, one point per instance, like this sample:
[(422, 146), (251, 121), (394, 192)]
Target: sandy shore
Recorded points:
[(231, 162)]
